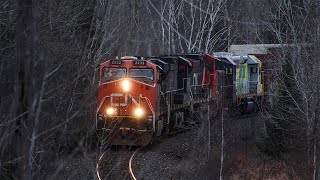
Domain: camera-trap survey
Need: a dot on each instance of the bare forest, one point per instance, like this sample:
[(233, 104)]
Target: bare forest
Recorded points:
[(49, 51)]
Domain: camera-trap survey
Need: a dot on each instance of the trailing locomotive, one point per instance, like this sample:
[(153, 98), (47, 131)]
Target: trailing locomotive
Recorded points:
[(243, 85), (142, 98)]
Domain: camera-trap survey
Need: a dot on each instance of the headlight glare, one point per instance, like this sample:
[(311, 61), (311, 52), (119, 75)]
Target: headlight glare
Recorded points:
[(110, 111), (138, 112), (126, 85)]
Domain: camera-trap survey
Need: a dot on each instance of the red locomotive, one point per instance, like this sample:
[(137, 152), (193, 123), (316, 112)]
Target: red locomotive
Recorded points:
[(142, 98), (127, 96)]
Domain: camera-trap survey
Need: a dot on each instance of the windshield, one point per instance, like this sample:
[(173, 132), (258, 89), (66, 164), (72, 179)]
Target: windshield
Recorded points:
[(141, 73), (113, 73)]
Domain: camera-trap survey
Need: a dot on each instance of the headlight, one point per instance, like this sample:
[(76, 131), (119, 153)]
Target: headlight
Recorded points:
[(138, 112), (126, 85), (110, 111)]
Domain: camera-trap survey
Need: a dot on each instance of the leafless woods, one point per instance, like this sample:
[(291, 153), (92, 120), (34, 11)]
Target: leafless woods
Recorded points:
[(49, 50)]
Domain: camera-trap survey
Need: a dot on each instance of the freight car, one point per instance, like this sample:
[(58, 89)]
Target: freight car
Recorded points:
[(142, 98)]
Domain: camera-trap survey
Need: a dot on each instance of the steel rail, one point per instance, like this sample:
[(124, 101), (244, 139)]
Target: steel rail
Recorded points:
[(97, 167), (130, 165)]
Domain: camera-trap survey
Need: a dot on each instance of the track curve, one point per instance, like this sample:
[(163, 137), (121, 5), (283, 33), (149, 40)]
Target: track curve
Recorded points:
[(97, 167), (130, 164), (116, 164)]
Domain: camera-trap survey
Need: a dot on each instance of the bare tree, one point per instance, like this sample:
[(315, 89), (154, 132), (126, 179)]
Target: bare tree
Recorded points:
[(189, 26), (296, 89)]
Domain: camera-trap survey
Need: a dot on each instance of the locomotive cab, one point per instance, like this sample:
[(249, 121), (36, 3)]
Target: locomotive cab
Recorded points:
[(126, 98)]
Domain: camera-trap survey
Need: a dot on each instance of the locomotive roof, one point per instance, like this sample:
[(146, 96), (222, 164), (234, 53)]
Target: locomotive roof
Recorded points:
[(253, 48), (226, 59), (186, 60), (254, 59), (193, 56), (129, 58), (159, 63), (169, 57), (237, 58)]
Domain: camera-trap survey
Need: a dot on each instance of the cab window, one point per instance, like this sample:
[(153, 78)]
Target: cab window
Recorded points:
[(141, 73), (113, 73)]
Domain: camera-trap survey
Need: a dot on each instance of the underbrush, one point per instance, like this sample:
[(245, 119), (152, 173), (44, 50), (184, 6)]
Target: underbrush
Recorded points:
[(238, 166)]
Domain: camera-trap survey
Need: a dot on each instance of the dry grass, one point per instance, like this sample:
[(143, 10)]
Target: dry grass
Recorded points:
[(239, 166)]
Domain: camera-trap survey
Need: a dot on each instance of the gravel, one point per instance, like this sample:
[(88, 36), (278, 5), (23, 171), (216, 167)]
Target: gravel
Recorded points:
[(176, 157)]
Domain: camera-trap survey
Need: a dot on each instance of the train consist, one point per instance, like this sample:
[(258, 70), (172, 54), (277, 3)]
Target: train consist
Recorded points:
[(141, 98)]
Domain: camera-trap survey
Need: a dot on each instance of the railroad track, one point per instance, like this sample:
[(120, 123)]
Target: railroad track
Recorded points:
[(124, 159), (133, 177), (112, 164), (97, 167), (116, 164)]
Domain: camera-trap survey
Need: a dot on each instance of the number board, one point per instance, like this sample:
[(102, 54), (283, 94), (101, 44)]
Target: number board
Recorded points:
[(139, 63), (116, 62)]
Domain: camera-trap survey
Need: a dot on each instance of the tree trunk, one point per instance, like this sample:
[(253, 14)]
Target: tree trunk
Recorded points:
[(316, 166), (222, 147), (23, 90)]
